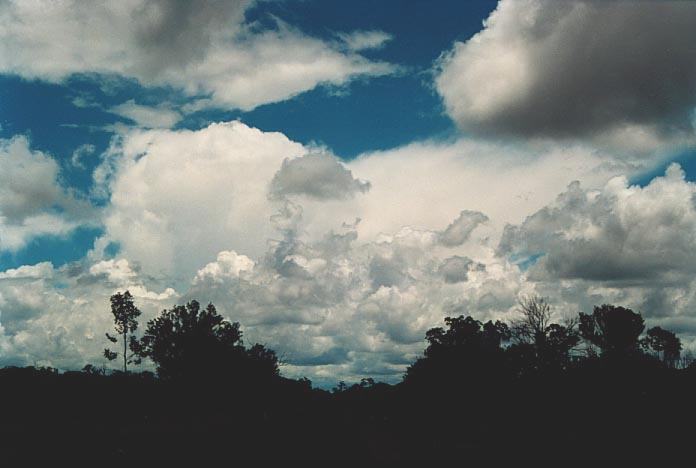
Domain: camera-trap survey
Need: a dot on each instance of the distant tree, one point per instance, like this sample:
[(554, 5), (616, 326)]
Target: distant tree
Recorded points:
[(340, 388), (187, 342), (614, 330), (466, 333), (125, 323), (367, 382), (664, 343), (93, 370)]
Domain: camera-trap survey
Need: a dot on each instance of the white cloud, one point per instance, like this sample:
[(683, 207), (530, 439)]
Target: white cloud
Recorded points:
[(428, 184), (180, 197), (203, 48), (229, 264), (338, 298), (364, 40), (147, 116), (620, 233), (80, 153), (32, 201), (58, 317), (605, 70)]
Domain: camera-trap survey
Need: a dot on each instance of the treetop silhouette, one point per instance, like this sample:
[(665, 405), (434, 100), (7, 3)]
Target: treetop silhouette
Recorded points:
[(614, 330), (187, 342), (125, 323)]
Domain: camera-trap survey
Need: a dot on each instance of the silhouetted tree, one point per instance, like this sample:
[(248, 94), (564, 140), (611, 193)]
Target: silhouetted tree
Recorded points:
[(536, 318), (187, 341), (263, 361), (463, 333), (367, 382), (467, 346), (664, 343), (93, 370), (125, 323), (615, 330), (340, 388), (537, 340)]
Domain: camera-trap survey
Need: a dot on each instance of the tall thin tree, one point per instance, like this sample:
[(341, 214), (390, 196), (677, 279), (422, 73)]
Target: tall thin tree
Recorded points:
[(125, 323)]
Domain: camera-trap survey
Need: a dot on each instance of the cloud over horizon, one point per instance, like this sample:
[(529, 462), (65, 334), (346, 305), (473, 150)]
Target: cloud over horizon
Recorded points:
[(202, 215)]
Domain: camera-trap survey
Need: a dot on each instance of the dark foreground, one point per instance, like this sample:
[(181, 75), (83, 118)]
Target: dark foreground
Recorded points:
[(594, 412)]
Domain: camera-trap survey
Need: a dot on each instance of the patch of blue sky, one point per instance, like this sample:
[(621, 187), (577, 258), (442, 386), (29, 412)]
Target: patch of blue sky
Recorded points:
[(686, 159), (375, 114), (525, 262), (421, 29), (369, 114), (58, 250), (46, 115)]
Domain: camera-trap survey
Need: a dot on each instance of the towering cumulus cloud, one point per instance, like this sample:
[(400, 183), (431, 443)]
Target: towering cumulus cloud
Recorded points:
[(545, 68)]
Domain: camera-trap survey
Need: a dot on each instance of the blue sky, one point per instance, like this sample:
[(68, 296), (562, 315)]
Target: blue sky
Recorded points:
[(340, 176)]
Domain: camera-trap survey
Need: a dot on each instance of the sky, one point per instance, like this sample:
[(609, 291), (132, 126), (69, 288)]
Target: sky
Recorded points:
[(338, 176)]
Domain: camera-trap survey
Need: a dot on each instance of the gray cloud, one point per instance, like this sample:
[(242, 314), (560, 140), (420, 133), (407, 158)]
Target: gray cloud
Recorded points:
[(32, 200), (461, 228), (455, 269), (576, 68), (175, 33), (621, 233), (316, 175)]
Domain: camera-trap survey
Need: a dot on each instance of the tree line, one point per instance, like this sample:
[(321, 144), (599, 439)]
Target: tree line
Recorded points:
[(532, 389)]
